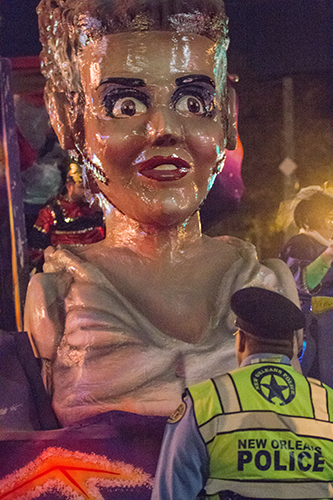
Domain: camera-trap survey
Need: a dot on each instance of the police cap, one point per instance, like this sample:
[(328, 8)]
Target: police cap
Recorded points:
[(265, 313)]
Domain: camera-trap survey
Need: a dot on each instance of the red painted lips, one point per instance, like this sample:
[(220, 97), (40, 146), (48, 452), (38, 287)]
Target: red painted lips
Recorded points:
[(162, 168)]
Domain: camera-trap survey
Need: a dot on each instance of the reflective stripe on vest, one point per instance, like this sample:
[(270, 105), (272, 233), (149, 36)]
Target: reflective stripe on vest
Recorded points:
[(262, 439), (275, 489)]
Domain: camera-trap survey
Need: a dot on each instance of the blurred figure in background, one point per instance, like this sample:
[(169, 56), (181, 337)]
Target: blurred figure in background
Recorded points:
[(43, 163), (68, 219), (309, 255)]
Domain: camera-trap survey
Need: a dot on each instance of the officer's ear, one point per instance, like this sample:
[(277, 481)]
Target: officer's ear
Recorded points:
[(241, 346), (66, 116)]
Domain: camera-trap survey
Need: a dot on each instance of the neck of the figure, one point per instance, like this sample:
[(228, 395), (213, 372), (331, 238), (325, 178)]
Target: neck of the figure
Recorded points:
[(152, 241)]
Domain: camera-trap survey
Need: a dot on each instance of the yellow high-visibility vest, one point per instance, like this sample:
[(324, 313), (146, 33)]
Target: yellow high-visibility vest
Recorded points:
[(268, 432)]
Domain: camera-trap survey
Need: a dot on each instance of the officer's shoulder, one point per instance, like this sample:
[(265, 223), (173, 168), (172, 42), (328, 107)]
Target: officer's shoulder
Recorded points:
[(200, 386), (193, 392), (178, 414), (207, 389)]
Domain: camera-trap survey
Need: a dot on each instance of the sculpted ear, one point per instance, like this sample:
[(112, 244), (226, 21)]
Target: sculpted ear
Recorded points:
[(66, 119), (231, 119)]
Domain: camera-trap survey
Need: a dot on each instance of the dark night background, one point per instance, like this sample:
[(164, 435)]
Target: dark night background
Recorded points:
[(277, 36), (270, 39)]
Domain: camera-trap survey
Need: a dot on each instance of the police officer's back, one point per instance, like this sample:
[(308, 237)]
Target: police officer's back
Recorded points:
[(261, 431)]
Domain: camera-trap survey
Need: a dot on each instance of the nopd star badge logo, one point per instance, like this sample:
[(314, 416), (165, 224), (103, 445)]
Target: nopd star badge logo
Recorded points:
[(274, 384)]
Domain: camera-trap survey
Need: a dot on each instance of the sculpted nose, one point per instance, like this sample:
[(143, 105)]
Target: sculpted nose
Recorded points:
[(164, 127), (165, 140)]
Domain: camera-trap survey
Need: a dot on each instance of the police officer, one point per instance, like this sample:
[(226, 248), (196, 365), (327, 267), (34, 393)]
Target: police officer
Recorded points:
[(261, 431)]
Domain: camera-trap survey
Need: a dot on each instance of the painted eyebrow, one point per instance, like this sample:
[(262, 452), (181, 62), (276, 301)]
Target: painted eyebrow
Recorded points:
[(126, 82), (194, 78)]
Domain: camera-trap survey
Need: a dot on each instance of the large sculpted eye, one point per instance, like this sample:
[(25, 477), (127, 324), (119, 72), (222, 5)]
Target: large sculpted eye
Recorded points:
[(190, 104), (128, 106), (125, 103), (195, 100)]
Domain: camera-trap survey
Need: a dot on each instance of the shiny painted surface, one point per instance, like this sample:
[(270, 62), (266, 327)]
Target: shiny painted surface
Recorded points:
[(135, 122), (127, 323)]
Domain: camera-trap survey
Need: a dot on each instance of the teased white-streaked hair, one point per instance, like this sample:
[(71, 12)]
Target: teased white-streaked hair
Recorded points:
[(67, 25)]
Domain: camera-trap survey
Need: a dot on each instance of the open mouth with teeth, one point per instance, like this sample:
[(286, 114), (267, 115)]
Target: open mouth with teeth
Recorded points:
[(161, 168)]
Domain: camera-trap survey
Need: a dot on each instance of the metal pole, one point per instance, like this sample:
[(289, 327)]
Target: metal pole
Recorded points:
[(288, 138), (288, 117), (14, 193)]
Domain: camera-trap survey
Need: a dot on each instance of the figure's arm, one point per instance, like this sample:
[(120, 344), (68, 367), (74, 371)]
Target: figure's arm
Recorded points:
[(183, 464), (307, 267), (39, 238), (40, 235), (318, 269)]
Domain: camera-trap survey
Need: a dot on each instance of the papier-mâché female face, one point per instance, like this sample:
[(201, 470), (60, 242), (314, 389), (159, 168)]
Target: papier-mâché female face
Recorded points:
[(151, 122)]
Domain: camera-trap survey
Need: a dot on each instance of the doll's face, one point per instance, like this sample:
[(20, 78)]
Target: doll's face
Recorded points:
[(152, 123)]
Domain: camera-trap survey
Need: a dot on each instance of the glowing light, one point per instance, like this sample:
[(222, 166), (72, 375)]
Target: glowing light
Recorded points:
[(70, 473)]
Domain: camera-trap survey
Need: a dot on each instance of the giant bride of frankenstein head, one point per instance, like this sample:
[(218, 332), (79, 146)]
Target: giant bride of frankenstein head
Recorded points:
[(137, 90)]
